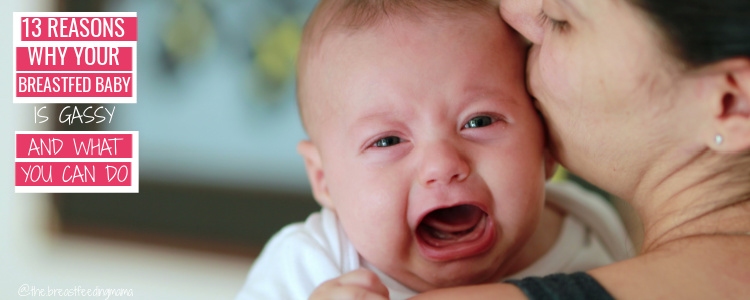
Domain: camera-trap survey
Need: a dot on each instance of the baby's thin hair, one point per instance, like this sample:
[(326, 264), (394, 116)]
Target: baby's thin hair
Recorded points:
[(362, 13), (353, 15)]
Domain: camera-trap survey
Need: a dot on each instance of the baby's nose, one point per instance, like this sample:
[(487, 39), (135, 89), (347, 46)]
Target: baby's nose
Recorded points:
[(443, 163)]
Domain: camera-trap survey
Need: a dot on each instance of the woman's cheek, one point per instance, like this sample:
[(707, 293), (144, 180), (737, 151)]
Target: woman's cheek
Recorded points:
[(554, 75)]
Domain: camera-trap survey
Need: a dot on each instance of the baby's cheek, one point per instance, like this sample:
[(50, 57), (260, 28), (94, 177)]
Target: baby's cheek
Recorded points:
[(377, 239)]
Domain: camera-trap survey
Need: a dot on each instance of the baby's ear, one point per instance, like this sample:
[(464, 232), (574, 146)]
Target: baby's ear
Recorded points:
[(314, 167), (731, 107), (550, 165)]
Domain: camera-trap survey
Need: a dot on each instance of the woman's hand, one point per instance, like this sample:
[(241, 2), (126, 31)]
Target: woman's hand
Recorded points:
[(361, 284)]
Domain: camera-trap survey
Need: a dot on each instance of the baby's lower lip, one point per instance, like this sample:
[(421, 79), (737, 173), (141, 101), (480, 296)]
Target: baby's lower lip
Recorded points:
[(447, 246)]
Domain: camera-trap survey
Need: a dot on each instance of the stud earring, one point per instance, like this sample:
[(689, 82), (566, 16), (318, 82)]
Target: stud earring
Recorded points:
[(719, 139)]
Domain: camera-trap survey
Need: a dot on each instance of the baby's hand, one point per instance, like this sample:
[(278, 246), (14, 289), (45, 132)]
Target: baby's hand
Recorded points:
[(361, 284)]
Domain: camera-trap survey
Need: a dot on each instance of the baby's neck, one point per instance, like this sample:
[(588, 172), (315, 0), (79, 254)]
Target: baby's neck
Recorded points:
[(541, 241)]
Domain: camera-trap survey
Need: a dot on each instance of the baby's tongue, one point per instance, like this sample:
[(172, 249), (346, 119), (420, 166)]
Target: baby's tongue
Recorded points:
[(450, 224)]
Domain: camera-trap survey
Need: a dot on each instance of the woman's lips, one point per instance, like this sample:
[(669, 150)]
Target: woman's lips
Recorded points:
[(455, 232)]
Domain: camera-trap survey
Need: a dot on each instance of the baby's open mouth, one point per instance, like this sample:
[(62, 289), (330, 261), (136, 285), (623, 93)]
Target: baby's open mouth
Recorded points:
[(455, 232)]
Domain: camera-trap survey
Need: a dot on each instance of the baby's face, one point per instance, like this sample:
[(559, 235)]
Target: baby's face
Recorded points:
[(432, 153)]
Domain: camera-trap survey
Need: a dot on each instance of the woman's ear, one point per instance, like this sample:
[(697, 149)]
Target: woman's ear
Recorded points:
[(731, 107), (314, 167)]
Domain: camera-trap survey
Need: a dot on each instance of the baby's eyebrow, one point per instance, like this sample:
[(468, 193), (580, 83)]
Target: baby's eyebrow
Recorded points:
[(472, 93), (365, 120), (476, 91), (375, 114)]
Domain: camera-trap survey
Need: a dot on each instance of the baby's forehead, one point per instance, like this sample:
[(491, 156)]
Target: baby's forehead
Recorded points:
[(317, 91)]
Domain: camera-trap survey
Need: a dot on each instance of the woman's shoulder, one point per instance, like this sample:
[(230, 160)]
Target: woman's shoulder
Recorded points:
[(711, 267)]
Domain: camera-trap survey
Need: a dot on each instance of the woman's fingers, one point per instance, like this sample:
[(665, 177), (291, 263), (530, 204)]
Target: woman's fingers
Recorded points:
[(365, 279)]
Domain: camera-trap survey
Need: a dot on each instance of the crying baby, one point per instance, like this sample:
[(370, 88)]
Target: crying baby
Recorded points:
[(426, 154)]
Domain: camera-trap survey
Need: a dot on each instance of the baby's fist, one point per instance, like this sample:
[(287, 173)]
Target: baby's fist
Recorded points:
[(360, 284)]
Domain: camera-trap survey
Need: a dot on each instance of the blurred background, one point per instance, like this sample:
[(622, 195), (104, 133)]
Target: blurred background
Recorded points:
[(219, 173)]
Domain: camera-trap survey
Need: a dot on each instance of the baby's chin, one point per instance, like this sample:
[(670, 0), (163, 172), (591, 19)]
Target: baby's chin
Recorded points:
[(425, 275)]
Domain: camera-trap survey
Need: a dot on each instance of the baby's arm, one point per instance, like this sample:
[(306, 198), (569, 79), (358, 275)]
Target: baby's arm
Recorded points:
[(360, 284)]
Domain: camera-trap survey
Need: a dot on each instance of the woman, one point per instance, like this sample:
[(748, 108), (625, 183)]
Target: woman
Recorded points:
[(649, 100)]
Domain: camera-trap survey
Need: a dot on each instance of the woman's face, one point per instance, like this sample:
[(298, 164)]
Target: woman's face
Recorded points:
[(603, 83)]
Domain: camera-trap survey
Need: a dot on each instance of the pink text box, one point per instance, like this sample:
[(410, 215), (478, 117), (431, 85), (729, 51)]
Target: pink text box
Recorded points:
[(74, 145), (74, 85), (73, 173), (87, 28), (74, 59)]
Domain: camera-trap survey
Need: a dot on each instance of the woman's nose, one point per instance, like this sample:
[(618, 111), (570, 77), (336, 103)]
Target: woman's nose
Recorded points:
[(443, 163), (523, 16)]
